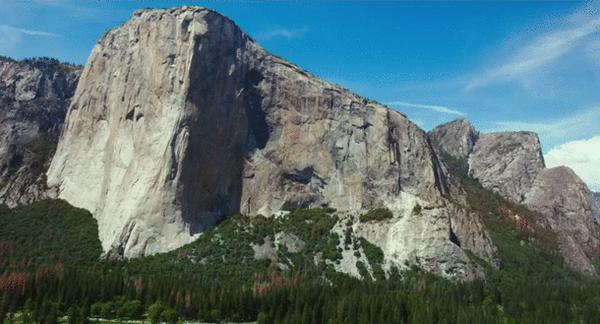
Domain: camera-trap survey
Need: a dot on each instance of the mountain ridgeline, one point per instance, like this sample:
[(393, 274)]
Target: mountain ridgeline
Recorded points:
[(34, 96), (511, 164), (180, 120)]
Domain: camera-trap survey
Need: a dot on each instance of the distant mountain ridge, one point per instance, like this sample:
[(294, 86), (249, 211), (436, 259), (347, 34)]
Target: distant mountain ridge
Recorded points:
[(181, 120), (34, 96), (511, 164)]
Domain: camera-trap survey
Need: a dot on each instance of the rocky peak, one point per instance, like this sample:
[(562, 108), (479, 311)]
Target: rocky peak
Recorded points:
[(504, 162), (560, 195), (34, 95), (507, 162), (511, 164), (456, 138)]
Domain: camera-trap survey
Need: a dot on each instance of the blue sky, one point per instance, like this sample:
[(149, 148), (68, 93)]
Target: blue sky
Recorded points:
[(504, 66)]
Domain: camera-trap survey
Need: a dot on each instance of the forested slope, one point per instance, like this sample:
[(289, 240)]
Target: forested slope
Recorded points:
[(245, 269)]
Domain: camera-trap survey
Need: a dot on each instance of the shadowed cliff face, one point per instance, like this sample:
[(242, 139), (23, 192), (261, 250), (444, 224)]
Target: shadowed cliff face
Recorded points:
[(34, 96), (224, 122), (456, 138), (180, 119)]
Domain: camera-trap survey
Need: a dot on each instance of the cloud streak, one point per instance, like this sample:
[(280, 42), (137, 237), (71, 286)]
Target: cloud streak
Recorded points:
[(538, 54), (287, 33), (435, 108), (10, 36), (28, 32), (576, 126)]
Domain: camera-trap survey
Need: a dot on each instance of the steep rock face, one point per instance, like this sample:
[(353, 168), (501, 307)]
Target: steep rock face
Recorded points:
[(34, 96), (181, 119), (456, 138), (595, 202), (468, 232), (507, 163), (560, 195)]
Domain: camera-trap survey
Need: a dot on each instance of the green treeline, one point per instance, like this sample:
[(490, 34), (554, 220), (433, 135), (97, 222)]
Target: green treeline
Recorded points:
[(51, 271), (413, 298)]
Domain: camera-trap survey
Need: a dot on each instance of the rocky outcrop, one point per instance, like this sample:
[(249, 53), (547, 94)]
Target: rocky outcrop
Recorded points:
[(423, 239), (456, 138), (511, 164), (507, 163), (595, 202), (466, 230), (180, 119), (431, 236), (34, 95), (504, 162), (560, 195)]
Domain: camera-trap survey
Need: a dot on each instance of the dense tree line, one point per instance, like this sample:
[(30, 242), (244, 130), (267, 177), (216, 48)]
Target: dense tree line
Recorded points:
[(50, 271), (39, 61), (414, 297)]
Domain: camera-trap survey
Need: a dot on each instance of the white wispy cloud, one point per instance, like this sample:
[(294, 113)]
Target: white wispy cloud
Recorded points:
[(8, 41), (28, 32), (86, 10), (583, 156), (436, 108), (287, 33), (51, 2), (10, 37), (556, 131), (539, 53), (592, 51)]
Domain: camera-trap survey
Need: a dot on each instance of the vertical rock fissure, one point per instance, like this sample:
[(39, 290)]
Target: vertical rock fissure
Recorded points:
[(394, 151), (451, 234), (223, 123), (441, 182)]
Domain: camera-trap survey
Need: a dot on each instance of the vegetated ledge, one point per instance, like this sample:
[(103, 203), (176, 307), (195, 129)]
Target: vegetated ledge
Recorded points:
[(377, 214)]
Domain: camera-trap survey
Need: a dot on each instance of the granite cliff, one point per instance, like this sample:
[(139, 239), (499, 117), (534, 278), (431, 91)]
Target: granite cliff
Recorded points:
[(181, 119), (507, 163)]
